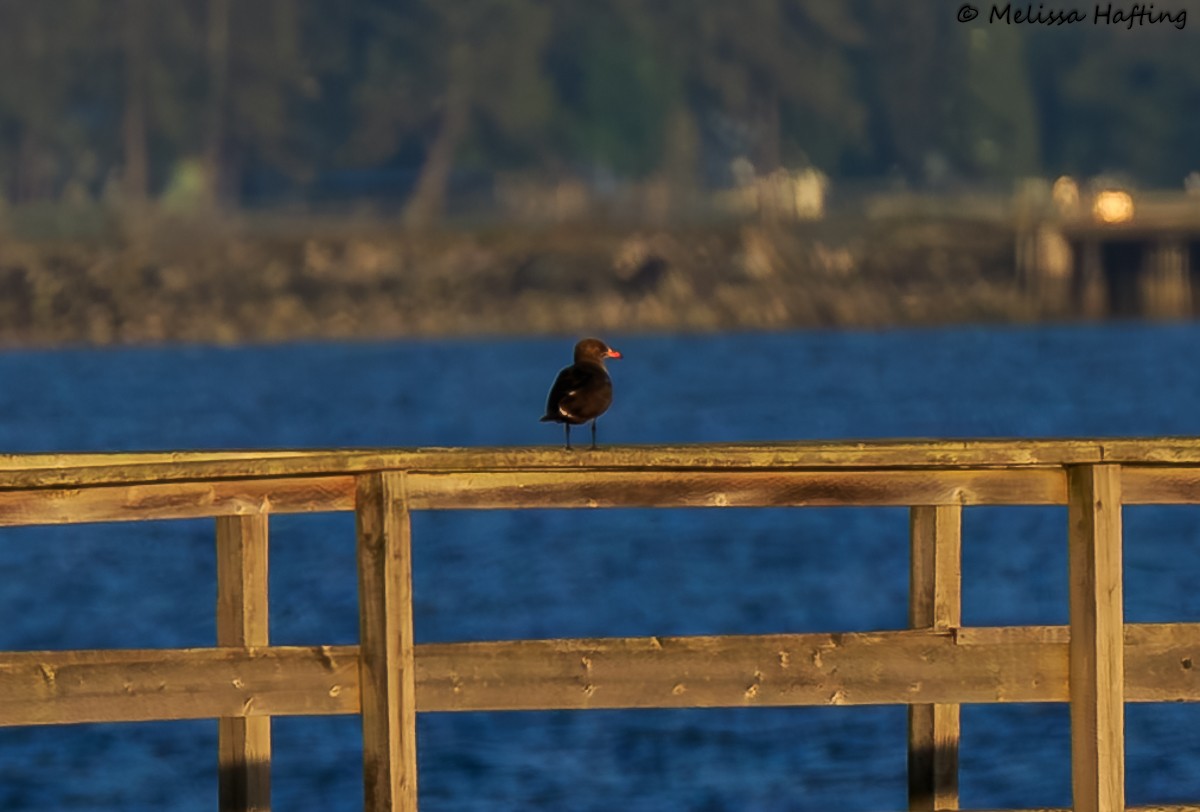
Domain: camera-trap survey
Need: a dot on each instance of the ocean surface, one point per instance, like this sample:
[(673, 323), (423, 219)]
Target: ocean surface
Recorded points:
[(495, 575)]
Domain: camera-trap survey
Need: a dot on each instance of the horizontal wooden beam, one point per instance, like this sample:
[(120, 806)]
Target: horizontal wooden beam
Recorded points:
[(537, 489), (1013, 664), (1150, 808), (58, 687), (176, 500), (1154, 485), (82, 470), (584, 489), (92, 459)]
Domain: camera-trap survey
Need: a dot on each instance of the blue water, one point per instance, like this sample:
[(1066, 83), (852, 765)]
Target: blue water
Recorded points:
[(621, 572)]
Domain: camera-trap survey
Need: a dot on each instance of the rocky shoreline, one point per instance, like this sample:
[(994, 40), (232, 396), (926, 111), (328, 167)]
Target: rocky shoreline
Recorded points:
[(232, 283)]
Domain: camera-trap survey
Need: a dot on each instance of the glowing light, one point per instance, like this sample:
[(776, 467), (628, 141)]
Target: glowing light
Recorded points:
[(1113, 207)]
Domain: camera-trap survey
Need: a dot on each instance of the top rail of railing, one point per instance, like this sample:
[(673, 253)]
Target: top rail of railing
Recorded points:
[(30, 471)]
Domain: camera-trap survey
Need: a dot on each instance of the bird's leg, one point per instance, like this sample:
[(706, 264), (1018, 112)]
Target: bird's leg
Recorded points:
[(567, 431), (593, 434)]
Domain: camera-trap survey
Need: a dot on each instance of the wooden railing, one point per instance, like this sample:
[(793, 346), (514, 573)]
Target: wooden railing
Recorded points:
[(1096, 663)]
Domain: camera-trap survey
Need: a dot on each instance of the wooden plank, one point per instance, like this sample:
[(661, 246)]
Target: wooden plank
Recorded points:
[(243, 743), (1153, 450), (89, 459), (1150, 808), (986, 665), (935, 576), (1097, 641), (1161, 671), (61, 687), (536, 489), (935, 602), (176, 500), (187, 500), (387, 672), (1012, 664), (38, 471), (999, 635), (741, 488), (1152, 485), (19, 472)]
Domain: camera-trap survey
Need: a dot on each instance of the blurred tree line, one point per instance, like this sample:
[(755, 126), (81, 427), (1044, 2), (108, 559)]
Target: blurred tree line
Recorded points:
[(224, 101)]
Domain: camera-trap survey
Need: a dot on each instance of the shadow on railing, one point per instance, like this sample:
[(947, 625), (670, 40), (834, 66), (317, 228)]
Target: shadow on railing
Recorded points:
[(1097, 663)]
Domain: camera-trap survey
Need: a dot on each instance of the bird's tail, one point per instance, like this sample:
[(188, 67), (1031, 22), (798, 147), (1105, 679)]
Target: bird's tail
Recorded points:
[(546, 418)]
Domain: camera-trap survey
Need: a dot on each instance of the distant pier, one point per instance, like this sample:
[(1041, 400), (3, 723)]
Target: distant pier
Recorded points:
[(1146, 263)]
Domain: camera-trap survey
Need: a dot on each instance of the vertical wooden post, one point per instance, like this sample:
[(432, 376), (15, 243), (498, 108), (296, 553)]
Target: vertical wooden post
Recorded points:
[(243, 743), (935, 601), (386, 677), (1097, 658)]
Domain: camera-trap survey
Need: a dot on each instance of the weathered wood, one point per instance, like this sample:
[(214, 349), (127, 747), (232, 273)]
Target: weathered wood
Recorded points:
[(1097, 641), (243, 743), (387, 673), (12, 462), (1160, 485), (985, 665), (935, 602), (1096, 663), (18, 472), (242, 581), (62, 687), (189, 500), (935, 575), (899, 667), (742, 488), (738, 488), (176, 500), (65, 470), (1152, 808)]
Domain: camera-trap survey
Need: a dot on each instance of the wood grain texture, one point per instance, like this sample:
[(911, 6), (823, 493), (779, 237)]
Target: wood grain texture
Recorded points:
[(386, 665), (737, 488), (537, 489), (1150, 808), (935, 602), (1160, 485), (935, 572), (176, 500), (243, 743), (1097, 639), (61, 687), (1096, 663), (81, 470), (986, 665), (1150, 456)]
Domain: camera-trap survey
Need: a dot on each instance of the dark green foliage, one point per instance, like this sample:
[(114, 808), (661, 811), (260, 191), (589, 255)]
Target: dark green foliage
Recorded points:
[(214, 101)]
